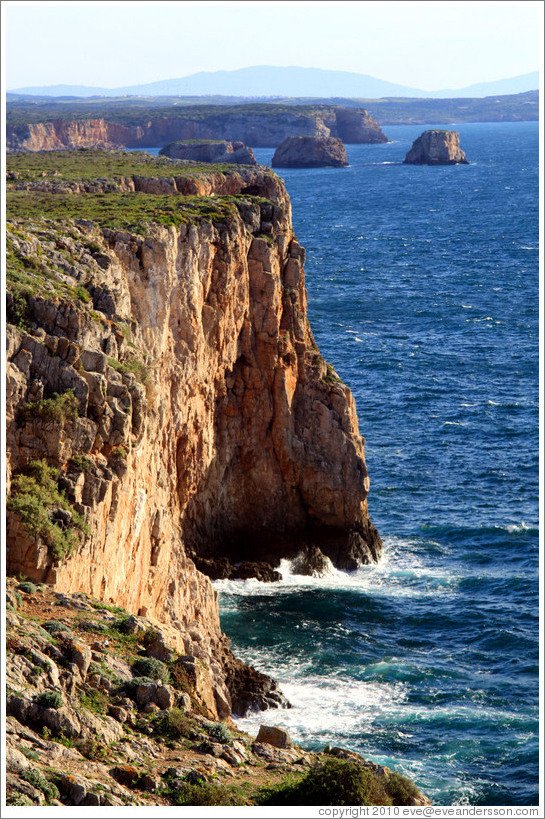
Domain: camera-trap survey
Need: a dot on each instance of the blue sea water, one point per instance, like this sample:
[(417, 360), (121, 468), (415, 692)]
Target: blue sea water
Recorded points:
[(423, 293)]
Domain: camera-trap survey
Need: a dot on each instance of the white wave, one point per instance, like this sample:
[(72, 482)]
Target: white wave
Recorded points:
[(518, 527), (454, 423), (324, 707), (403, 571)]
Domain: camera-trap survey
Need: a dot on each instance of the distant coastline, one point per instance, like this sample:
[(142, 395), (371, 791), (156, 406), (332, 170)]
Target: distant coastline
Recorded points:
[(27, 110)]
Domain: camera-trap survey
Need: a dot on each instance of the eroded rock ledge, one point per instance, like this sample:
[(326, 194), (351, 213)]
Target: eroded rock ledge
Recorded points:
[(165, 378)]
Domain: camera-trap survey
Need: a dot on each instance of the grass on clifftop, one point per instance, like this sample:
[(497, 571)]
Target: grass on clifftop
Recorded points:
[(96, 163), (126, 211), (136, 111)]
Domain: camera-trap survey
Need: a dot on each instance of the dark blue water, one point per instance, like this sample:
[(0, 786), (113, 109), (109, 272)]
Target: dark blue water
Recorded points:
[(423, 293)]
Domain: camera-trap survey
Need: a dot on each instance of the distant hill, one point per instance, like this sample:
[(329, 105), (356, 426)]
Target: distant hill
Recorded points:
[(275, 81), (513, 85)]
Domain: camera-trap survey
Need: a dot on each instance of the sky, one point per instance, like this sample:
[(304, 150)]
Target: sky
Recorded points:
[(429, 45)]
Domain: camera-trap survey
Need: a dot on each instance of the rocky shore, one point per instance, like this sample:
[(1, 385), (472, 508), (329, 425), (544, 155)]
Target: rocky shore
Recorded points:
[(95, 719)]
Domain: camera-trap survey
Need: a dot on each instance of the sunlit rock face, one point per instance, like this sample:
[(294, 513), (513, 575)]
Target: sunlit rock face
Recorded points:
[(232, 438), (436, 148)]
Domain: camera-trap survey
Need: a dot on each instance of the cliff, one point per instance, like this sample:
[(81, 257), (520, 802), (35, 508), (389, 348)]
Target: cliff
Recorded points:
[(310, 152), (210, 151), (255, 125), (436, 147), (166, 402)]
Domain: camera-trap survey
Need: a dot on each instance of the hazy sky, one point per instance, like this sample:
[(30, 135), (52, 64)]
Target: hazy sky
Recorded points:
[(428, 45)]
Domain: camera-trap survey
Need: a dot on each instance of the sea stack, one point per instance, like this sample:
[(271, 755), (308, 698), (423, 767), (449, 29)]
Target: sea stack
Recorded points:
[(210, 150), (310, 152), (436, 147)]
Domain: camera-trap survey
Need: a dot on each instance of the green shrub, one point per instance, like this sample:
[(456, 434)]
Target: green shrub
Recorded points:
[(19, 800), (173, 724), (36, 778), (207, 793), (95, 701), (331, 376), (218, 732), (29, 753), (17, 310), (91, 748), (34, 497), (57, 409), (333, 782), (54, 626), (82, 294), (400, 789), (50, 699), (129, 686), (150, 667), (27, 587), (81, 463), (132, 365)]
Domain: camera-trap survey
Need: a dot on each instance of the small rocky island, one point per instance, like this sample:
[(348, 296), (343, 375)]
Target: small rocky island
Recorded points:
[(436, 147), (210, 150), (310, 152)]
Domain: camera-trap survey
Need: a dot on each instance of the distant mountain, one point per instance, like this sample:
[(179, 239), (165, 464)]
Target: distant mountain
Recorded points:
[(275, 81), (62, 91), (513, 85)]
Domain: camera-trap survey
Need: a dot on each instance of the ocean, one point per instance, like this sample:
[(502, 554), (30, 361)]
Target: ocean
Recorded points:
[(423, 294)]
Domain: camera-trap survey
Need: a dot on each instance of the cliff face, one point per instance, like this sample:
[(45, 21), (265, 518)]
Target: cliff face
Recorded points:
[(261, 129), (210, 151), (171, 378), (310, 152)]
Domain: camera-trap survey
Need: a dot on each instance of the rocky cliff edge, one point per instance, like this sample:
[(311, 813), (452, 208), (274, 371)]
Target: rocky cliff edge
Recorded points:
[(166, 401)]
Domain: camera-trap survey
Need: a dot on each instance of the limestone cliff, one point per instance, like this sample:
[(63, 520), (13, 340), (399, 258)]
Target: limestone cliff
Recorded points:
[(310, 152), (256, 125), (212, 150), (166, 401)]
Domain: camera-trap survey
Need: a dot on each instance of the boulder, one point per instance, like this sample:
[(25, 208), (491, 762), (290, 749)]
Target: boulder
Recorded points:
[(210, 150), (310, 152), (436, 147), (311, 562), (249, 689), (272, 735), (259, 569)]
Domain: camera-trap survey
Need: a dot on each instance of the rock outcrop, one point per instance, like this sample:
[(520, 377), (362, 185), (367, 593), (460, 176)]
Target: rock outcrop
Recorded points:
[(167, 404), (310, 152), (436, 148), (261, 125), (210, 151), (99, 734)]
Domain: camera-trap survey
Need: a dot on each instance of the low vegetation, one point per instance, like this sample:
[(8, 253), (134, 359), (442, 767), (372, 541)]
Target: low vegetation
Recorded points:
[(152, 668), (57, 409), (127, 211), (36, 498), (341, 782)]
